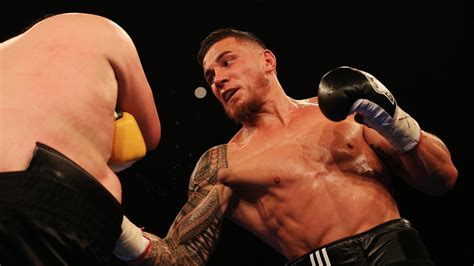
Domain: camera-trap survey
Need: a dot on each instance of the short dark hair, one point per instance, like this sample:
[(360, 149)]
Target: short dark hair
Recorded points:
[(223, 33)]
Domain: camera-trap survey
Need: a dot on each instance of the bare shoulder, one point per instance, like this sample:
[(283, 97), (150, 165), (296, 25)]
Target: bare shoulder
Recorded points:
[(69, 19), (83, 27), (308, 101)]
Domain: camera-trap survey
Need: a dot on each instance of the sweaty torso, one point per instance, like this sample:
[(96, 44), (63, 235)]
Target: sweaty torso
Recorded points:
[(57, 89), (308, 183)]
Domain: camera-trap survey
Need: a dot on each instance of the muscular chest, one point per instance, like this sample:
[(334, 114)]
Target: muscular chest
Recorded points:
[(307, 148)]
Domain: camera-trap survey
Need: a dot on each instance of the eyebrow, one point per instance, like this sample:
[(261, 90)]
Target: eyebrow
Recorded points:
[(206, 73)]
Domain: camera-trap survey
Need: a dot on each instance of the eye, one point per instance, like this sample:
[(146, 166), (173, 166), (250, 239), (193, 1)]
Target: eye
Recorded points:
[(227, 62), (210, 80)]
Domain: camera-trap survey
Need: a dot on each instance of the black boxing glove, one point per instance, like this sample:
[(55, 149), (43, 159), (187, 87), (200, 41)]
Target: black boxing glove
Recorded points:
[(345, 90)]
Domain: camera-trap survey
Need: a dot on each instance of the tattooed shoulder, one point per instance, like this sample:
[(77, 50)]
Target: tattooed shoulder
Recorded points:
[(205, 172)]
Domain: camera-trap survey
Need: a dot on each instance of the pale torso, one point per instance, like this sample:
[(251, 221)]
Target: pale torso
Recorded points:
[(56, 89), (307, 183)]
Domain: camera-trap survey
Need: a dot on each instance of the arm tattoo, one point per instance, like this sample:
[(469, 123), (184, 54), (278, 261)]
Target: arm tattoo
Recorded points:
[(195, 231)]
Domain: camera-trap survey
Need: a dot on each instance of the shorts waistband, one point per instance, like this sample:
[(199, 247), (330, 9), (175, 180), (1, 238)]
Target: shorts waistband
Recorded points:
[(340, 251), (56, 190)]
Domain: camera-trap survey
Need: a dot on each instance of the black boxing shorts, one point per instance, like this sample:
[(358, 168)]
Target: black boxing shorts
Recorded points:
[(393, 243), (55, 213)]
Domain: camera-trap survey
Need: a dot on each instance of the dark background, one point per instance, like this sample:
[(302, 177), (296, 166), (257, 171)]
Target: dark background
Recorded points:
[(421, 51)]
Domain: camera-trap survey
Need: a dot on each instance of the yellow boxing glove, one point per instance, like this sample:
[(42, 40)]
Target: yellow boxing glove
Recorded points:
[(129, 145)]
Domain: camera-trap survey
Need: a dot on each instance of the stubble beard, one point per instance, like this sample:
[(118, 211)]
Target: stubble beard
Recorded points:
[(246, 111)]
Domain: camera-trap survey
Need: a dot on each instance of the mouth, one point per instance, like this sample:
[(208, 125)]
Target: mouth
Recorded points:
[(228, 94)]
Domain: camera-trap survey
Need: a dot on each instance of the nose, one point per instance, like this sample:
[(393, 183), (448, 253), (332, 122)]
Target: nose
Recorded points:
[(220, 78)]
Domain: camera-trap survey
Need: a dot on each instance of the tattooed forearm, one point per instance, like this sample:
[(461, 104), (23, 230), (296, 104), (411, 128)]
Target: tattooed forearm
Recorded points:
[(198, 231), (200, 219), (157, 253), (204, 226), (194, 233), (190, 242)]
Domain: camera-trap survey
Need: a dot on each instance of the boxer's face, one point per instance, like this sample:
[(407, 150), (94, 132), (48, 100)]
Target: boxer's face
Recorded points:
[(235, 70)]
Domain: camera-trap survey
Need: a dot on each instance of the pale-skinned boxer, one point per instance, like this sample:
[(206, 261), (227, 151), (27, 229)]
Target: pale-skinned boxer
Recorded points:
[(61, 82)]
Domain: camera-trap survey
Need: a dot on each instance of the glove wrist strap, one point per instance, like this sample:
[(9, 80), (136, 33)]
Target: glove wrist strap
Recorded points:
[(406, 132)]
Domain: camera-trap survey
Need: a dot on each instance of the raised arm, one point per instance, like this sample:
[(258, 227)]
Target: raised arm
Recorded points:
[(427, 167), (419, 157)]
